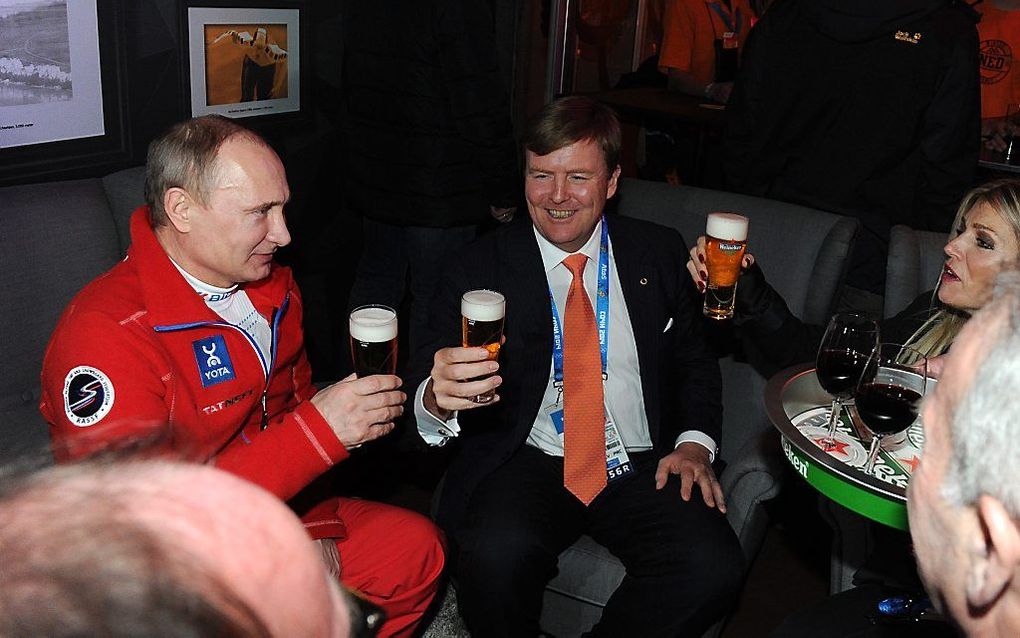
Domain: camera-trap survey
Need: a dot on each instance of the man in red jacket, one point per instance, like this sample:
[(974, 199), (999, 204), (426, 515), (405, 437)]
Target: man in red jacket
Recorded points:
[(196, 338)]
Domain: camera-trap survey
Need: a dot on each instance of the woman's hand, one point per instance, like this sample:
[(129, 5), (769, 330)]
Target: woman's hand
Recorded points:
[(935, 366), (698, 269)]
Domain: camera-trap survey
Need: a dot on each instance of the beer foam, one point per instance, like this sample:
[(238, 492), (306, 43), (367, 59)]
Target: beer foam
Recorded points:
[(483, 305), (730, 226), (373, 324)]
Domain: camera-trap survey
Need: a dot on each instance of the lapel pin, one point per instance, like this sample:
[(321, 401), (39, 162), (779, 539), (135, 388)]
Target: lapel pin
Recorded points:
[(643, 281)]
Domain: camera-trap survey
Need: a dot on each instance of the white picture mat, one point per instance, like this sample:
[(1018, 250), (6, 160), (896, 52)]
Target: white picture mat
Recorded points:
[(198, 17), (81, 116)]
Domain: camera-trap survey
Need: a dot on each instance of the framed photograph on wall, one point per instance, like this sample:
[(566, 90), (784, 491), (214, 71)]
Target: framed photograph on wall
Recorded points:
[(243, 61), (50, 83), (61, 86)]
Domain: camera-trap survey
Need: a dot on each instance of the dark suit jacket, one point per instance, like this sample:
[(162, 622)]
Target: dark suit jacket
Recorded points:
[(680, 377)]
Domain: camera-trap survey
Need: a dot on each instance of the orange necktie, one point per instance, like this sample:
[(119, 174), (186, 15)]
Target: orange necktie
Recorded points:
[(584, 421)]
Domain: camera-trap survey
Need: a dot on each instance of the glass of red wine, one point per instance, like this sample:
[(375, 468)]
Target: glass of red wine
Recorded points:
[(849, 340), (889, 393)]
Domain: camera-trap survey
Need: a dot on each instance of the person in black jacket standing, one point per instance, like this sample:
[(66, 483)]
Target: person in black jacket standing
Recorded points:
[(430, 149), (868, 109)]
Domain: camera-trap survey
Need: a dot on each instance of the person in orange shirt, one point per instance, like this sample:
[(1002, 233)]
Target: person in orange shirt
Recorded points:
[(701, 45), (999, 30)]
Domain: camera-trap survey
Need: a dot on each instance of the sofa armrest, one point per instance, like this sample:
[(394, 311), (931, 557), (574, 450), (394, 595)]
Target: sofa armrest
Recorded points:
[(755, 476)]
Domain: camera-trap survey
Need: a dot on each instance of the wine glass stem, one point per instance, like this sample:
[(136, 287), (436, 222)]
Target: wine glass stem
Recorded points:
[(837, 405), (876, 442)]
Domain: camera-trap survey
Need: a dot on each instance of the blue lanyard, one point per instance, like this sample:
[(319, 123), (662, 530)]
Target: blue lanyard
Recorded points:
[(727, 20), (601, 313)]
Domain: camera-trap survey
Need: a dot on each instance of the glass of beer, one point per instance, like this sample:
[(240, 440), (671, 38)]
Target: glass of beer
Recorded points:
[(482, 314), (374, 340), (725, 242)]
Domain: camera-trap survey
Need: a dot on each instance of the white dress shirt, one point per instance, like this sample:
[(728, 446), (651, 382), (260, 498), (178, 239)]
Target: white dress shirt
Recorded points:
[(623, 393)]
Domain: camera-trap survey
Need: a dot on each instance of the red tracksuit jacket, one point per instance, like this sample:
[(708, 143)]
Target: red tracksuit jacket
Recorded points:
[(138, 352)]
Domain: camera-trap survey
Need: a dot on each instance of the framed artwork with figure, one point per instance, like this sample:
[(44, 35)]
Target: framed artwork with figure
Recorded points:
[(243, 61)]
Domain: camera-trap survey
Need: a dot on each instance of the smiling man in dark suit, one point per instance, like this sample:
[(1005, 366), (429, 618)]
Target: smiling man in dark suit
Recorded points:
[(608, 403)]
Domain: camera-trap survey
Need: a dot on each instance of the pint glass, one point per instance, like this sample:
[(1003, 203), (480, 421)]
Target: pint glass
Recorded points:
[(374, 340), (725, 242), (482, 314)]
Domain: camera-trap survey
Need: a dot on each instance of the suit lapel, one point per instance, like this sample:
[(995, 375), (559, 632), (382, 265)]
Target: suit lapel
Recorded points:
[(529, 319), (523, 277), (644, 299)]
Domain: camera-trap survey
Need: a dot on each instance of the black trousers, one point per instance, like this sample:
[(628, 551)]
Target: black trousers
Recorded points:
[(684, 564)]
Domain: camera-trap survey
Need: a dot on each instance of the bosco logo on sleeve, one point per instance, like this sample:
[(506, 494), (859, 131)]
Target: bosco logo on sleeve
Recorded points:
[(214, 364), (88, 396)]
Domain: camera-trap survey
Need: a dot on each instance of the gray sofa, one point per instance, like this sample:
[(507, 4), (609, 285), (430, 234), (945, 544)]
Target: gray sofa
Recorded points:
[(57, 237), (802, 252)]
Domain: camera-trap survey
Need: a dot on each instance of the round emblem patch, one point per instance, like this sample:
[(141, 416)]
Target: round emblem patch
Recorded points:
[(88, 396), (996, 58)]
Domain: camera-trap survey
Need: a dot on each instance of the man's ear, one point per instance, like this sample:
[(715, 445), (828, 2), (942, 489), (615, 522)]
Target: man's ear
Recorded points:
[(613, 179), (995, 558), (178, 204)]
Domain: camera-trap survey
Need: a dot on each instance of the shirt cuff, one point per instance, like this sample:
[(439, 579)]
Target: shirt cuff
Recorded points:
[(431, 428), (702, 439)]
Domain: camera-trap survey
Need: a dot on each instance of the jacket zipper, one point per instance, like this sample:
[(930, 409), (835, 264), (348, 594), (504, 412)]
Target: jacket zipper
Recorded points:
[(275, 321), (267, 368)]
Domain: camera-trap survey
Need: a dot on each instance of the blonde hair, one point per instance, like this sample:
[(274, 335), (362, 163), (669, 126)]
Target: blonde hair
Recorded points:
[(937, 333)]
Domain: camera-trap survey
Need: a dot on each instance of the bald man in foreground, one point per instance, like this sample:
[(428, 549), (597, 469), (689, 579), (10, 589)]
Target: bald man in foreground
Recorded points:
[(150, 547)]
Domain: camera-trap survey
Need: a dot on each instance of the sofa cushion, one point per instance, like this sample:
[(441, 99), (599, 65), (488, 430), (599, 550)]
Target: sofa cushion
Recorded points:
[(57, 237), (801, 251), (124, 192), (915, 263), (587, 575), (587, 572)]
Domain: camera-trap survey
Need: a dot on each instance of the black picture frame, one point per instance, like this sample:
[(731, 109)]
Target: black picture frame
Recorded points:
[(257, 118), (94, 155)]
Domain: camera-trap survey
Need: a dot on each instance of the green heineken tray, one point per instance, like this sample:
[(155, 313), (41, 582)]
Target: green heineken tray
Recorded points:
[(799, 409)]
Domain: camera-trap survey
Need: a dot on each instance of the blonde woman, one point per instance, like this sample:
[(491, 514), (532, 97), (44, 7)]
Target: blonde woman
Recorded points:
[(985, 239)]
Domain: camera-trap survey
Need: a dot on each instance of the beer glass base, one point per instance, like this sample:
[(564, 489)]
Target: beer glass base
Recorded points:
[(718, 315), (719, 302)]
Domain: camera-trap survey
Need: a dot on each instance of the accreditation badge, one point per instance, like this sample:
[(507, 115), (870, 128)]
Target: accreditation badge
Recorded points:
[(729, 40), (555, 412), (618, 464)]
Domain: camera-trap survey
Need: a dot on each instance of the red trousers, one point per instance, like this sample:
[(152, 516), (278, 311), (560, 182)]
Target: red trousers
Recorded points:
[(394, 558)]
